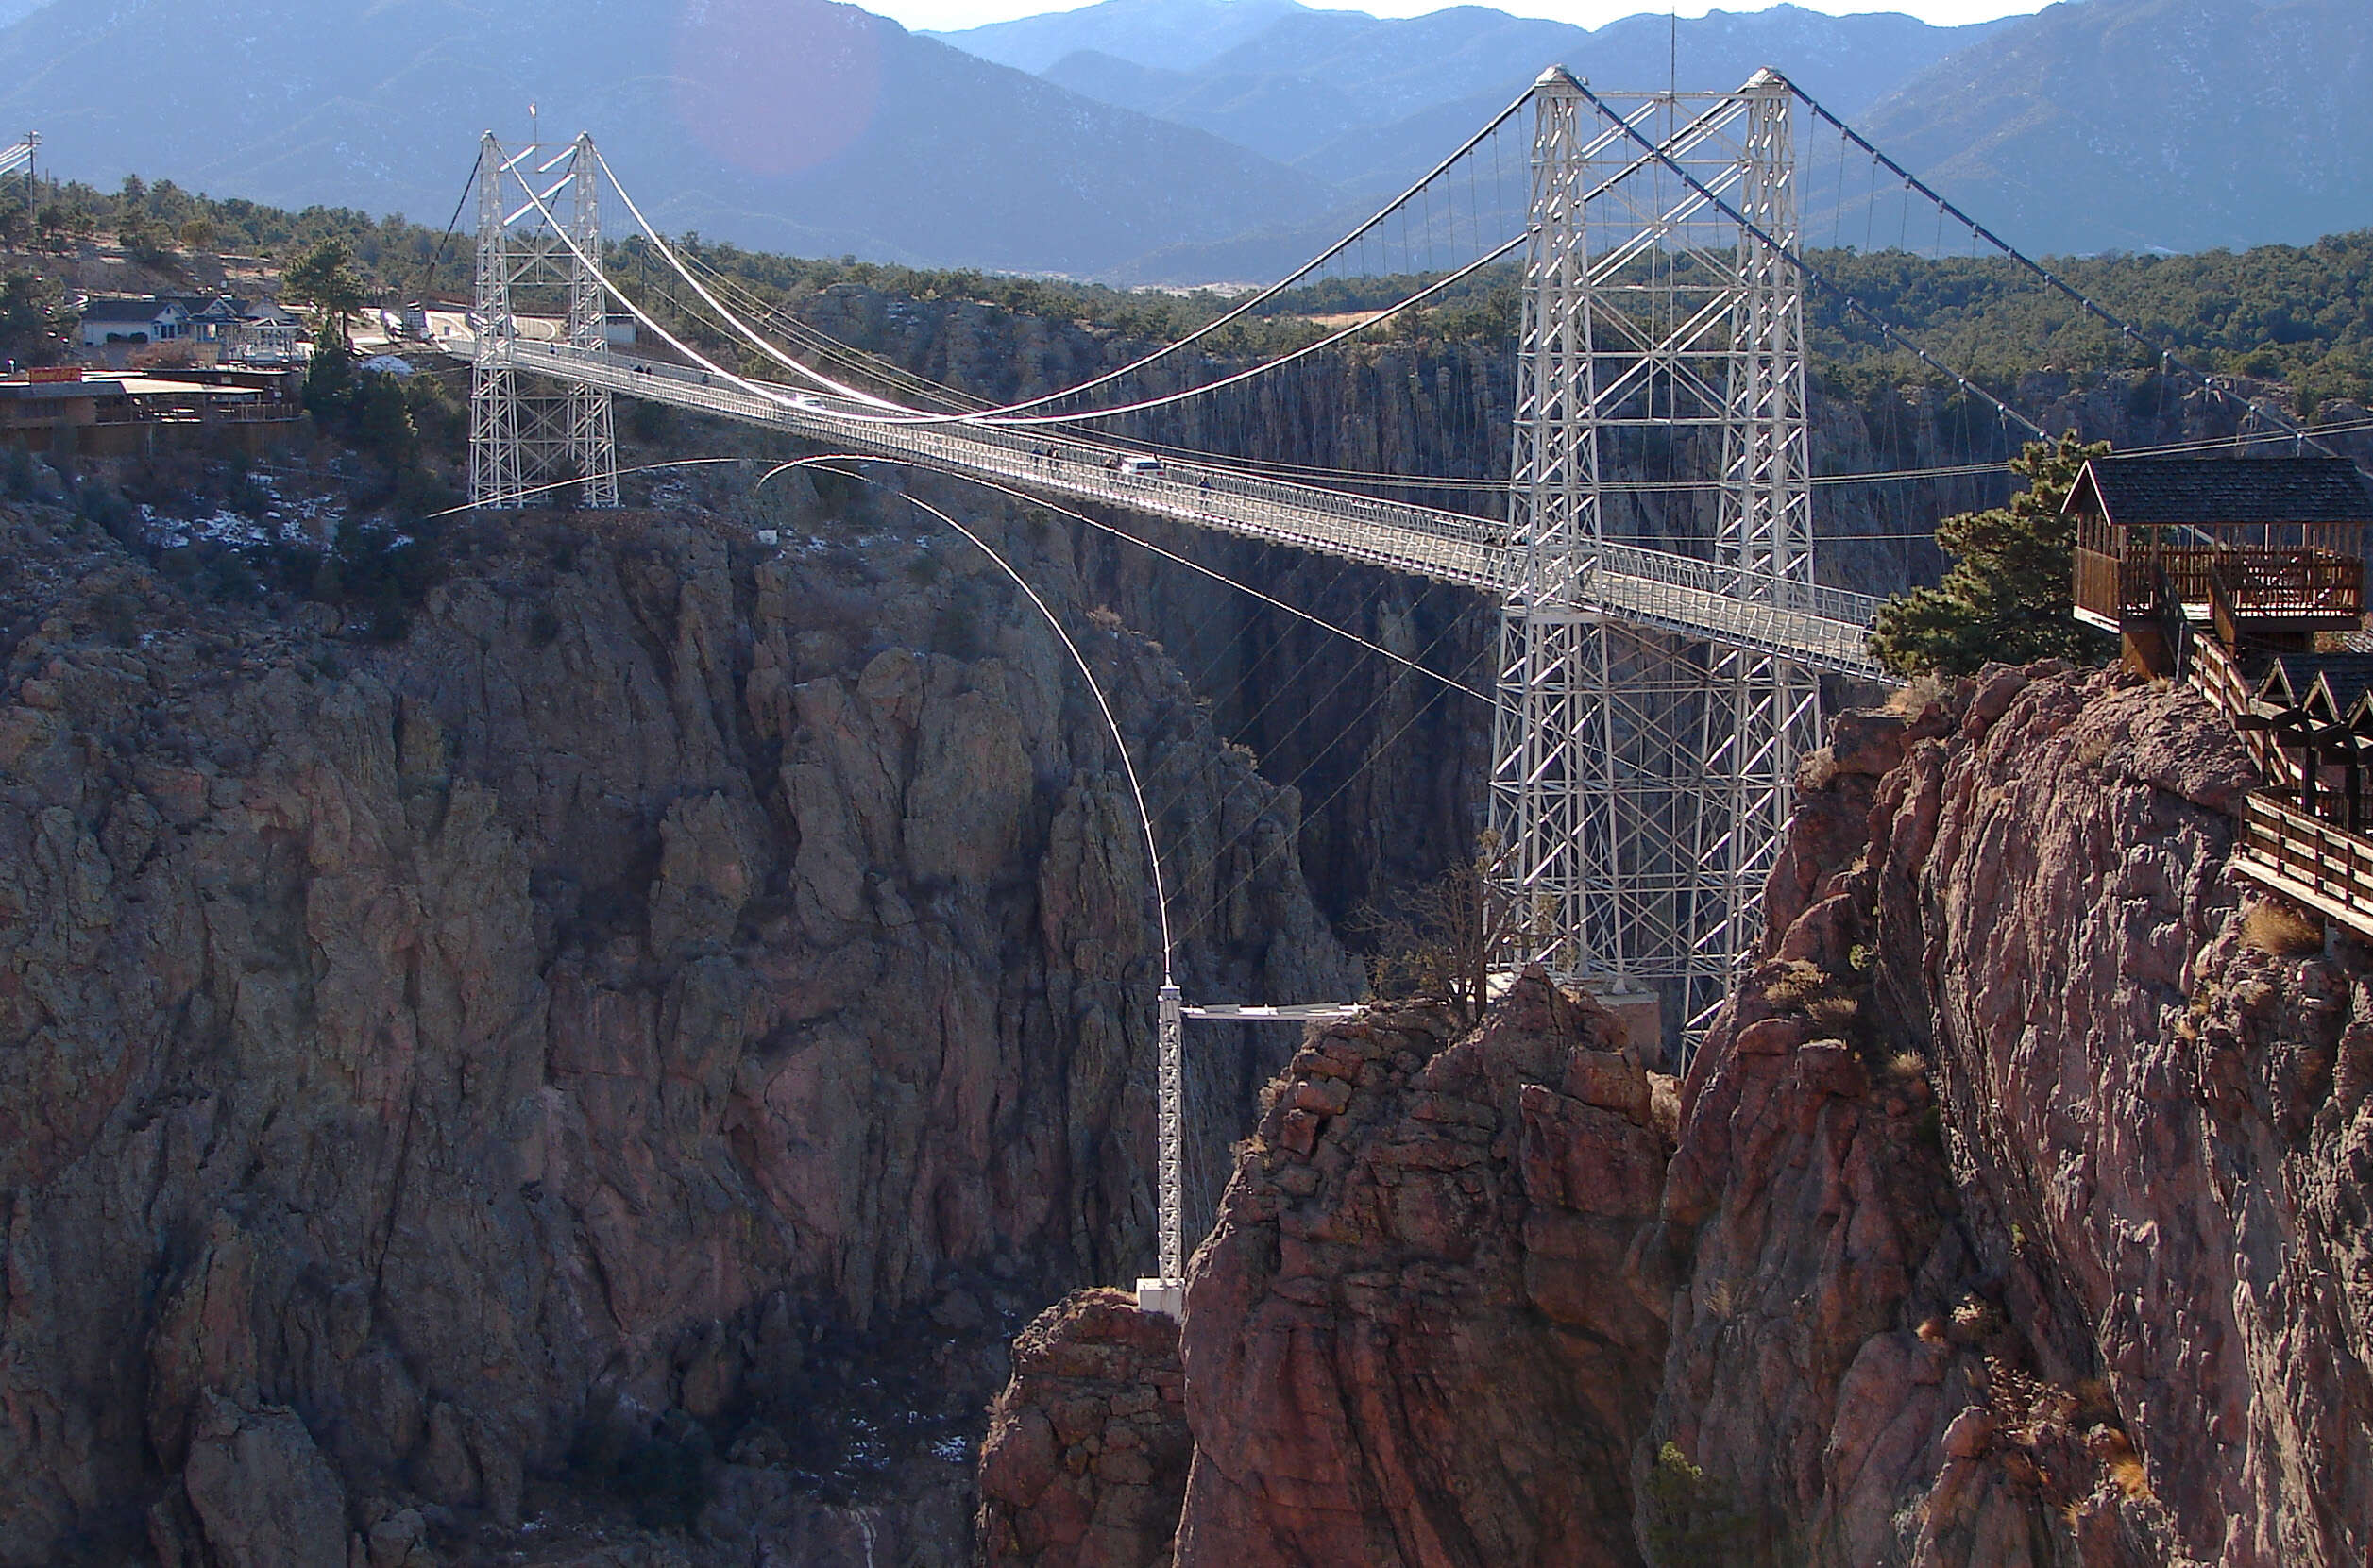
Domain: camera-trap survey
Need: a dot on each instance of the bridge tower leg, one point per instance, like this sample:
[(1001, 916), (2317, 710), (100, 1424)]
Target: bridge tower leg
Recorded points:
[(592, 439), (1641, 779), (494, 478), (523, 433)]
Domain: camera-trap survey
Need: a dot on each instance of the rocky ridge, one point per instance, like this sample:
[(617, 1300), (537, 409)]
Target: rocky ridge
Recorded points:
[(2016, 1211)]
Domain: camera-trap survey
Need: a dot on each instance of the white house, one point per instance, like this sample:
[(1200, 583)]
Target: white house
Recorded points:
[(269, 333), (115, 319)]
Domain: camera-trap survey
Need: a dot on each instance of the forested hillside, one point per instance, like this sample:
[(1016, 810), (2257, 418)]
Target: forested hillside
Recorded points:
[(2293, 314), (2298, 315)]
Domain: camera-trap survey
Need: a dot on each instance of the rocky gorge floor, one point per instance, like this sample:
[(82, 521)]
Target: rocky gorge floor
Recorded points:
[(2015, 1213)]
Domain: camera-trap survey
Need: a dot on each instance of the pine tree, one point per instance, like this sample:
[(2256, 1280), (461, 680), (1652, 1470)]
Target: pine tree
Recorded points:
[(324, 277), (2009, 597)]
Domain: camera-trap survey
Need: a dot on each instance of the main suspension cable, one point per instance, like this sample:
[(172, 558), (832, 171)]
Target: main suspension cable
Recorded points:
[(2108, 317)]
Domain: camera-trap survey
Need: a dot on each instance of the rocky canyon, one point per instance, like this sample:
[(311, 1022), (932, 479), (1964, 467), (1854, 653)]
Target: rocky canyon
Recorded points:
[(630, 1056), (2014, 1213), (605, 1069)]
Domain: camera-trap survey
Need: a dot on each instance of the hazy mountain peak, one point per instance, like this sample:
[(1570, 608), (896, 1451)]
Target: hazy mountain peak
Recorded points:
[(1175, 35)]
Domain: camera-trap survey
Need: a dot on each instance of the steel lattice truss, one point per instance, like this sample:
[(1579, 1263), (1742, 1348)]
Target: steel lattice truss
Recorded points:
[(525, 435), (1641, 779)]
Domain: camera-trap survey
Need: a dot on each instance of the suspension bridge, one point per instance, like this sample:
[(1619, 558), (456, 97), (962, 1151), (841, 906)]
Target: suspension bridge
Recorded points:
[(1655, 692)]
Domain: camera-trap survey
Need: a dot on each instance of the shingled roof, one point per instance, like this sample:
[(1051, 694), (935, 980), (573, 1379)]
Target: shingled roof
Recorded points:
[(2153, 490), (2347, 678)]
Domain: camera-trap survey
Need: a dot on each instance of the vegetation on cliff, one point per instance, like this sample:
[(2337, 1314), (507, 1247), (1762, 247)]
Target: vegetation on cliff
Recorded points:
[(2006, 599)]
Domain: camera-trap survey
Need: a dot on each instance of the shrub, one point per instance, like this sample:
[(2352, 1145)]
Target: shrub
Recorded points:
[(2277, 928), (1690, 1518), (2009, 592)]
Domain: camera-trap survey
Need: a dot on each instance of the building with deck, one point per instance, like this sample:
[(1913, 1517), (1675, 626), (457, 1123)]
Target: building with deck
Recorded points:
[(2246, 577)]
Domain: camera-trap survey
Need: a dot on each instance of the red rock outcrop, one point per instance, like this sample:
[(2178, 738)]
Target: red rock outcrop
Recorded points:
[(2026, 1186), (1086, 1458), (1426, 1328), (2019, 1212)]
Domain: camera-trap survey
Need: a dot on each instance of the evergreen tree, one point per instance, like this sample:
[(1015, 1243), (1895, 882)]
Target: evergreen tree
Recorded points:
[(324, 277), (34, 320), (2009, 597)]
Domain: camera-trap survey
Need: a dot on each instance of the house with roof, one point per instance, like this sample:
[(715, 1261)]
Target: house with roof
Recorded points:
[(2244, 577), (216, 320), (2271, 550), (108, 318), (267, 332)]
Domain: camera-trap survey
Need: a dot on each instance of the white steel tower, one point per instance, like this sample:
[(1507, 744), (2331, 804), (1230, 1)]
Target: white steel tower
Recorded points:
[(1641, 779), (522, 437)]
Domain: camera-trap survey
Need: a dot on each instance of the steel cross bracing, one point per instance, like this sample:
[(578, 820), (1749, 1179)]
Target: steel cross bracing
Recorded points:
[(1653, 700), (1641, 778), (522, 438)]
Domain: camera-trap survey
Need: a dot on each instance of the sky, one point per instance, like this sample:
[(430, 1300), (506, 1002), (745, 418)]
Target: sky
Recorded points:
[(950, 14)]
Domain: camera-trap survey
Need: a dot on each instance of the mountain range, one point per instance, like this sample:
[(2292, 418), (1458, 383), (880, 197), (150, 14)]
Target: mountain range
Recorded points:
[(1358, 98), (2152, 125), (1172, 141)]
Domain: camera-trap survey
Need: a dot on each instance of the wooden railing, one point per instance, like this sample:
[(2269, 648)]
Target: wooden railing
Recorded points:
[(2211, 669), (2279, 585), (2288, 584), (2307, 858)]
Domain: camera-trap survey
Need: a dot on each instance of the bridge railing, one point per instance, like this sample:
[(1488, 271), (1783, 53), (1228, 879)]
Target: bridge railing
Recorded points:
[(1442, 544), (1686, 594), (1784, 594)]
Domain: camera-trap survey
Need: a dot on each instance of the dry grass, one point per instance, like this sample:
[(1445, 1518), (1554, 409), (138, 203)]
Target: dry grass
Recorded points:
[(2095, 1406), (2123, 1465), (1796, 984), (1914, 695), (1817, 771), (1906, 1063), (2283, 931), (1976, 1318), (1833, 1012)]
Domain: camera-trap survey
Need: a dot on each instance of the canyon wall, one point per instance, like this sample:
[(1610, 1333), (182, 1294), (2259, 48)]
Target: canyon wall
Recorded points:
[(626, 1053), (2016, 1211)]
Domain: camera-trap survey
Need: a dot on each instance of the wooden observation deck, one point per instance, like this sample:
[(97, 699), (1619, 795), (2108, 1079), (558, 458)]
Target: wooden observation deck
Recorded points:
[(2270, 550), (2248, 577)]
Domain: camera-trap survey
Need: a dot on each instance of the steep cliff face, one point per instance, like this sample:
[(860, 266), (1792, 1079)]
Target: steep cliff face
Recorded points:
[(2018, 1211), (644, 1040), (2106, 1300), (1087, 1448), (1420, 1333)]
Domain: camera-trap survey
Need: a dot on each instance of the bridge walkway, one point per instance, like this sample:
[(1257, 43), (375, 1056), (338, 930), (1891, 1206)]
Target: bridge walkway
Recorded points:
[(1819, 627)]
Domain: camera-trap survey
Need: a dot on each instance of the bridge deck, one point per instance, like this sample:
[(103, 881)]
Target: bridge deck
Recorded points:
[(1824, 627)]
